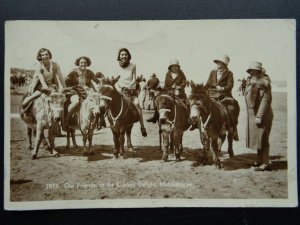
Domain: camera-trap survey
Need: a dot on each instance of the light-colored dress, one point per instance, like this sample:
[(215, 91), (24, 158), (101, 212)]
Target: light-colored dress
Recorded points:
[(50, 76), (126, 77)]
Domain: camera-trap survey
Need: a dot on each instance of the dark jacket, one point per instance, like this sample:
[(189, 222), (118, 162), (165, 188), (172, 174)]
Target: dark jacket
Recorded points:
[(74, 79), (152, 83), (179, 81), (226, 81)]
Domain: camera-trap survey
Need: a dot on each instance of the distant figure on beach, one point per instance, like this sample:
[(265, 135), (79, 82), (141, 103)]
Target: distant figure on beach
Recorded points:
[(152, 85), (142, 86), (258, 98)]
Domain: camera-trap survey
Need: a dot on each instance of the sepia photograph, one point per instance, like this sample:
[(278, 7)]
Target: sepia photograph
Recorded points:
[(153, 113)]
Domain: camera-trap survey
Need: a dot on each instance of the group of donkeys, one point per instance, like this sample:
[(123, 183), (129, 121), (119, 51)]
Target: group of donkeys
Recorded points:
[(46, 112)]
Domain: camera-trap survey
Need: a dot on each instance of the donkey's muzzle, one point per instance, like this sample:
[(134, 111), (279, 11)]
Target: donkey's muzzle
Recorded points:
[(162, 120)]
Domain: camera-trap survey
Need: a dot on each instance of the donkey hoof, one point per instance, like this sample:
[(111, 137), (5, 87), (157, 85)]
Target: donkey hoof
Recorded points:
[(85, 153), (164, 158), (92, 153), (75, 146), (67, 147), (231, 155), (33, 157), (55, 154)]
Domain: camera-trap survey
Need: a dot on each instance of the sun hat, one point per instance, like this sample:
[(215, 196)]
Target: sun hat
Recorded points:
[(222, 58), (255, 66), (174, 62)]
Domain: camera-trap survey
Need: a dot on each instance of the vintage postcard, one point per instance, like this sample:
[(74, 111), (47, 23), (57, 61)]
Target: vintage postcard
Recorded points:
[(126, 114)]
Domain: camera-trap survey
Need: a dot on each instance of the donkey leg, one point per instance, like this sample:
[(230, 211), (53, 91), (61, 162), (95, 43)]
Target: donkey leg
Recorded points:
[(128, 137), (29, 135), (75, 145), (214, 150), (171, 142), (122, 141), (230, 140), (176, 143), (90, 138), (219, 145), (84, 140), (165, 145), (51, 137), (68, 138), (38, 140), (117, 144)]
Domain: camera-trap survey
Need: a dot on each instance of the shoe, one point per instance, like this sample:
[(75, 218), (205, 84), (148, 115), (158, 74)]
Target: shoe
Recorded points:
[(263, 167), (144, 132), (256, 164), (152, 120)]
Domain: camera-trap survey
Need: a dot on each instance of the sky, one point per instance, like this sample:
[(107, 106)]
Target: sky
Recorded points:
[(153, 44)]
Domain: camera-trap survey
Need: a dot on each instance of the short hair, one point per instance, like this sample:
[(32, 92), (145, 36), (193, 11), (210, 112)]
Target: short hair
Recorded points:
[(87, 59), (39, 54), (125, 50), (99, 75)]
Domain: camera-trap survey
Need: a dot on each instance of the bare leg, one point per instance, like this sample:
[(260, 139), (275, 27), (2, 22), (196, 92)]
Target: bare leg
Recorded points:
[(29, 98)]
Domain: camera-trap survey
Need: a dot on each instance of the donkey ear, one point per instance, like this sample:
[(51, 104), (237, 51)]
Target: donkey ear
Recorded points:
[(192, 84), (117, 78)]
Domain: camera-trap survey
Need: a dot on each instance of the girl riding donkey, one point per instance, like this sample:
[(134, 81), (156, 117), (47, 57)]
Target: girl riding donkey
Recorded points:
[(175, 82), (47, 76), (127, 83), (220, 84), (83, 85)]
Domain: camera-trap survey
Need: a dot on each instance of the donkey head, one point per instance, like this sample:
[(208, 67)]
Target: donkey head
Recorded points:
[(165, 106), (199, 100), (56, 101), (93, 101)]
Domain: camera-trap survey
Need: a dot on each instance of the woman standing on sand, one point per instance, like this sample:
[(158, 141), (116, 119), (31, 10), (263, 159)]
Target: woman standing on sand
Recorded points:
[(258, 98)]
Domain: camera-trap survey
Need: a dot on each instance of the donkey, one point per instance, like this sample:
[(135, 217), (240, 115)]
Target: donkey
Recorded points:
[(121, 113), (85, 118), (42, 116), (173, 121), (213, 122)]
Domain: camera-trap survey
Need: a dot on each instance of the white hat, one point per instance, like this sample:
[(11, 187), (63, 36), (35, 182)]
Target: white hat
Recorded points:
[(223, 58), (255, 66), (174, 62)]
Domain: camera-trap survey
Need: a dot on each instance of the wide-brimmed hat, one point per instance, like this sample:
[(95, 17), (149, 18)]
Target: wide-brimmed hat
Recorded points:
[(222, 58), (174, 62), (255, 66)]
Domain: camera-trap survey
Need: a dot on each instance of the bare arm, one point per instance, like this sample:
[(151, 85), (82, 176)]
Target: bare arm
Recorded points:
[(60, 80)]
